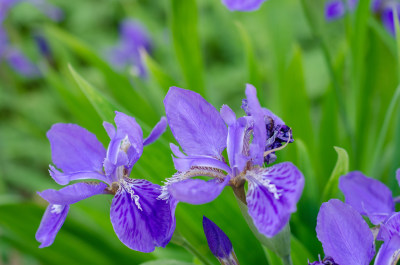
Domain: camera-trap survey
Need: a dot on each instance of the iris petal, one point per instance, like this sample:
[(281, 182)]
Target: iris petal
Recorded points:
[(272, 196), (140, 220), (156, 132)]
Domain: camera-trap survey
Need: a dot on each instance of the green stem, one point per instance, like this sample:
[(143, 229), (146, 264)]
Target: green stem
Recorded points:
[(328, 59), (179, 240), (382, 135)]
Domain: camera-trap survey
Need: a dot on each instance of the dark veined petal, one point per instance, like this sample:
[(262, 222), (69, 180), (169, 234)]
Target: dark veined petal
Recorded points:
[(389, 253), (344, 234), (52, 220), (73, 193), (156, 132), (195, 123), (74, 149), (218, 242), (243, 5), (64, 179), (197, 191), (259, 131), (334, 9), (140, 220), (272, 196), (389, 228), (368, 196)]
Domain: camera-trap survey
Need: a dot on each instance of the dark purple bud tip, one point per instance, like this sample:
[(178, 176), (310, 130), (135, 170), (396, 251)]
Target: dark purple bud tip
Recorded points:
[(218, 242), (326, 261)]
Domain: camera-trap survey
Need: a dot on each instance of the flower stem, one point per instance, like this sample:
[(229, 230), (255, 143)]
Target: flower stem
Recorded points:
[(179, 240)]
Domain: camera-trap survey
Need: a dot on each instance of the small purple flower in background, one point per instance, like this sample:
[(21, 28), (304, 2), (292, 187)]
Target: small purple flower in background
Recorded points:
[(219, 243), (15, 58), (133, 38), (336, 9), (345, 236), (243, 5), (139, 219), (200, 129)]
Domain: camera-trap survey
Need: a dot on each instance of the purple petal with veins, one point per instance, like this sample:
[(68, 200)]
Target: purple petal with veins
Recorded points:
[(272, 196)]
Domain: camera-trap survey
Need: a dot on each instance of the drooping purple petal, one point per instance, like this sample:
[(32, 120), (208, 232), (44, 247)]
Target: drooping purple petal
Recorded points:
[(75, 150), (64, 178), (259, 131), (140, 220), (126, 146), (389, 228), (334, 9), (197, 191), (389, 253), (186, 163), (344, 235), (368, 196), (156, 132), (243, 5), (195, 123), (388, 17), (21, 64), (272, 196), (73, 193), (52, 220), (218, 242)]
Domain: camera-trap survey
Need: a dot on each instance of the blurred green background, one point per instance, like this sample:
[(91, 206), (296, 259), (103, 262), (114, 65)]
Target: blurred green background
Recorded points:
[(333, 83)]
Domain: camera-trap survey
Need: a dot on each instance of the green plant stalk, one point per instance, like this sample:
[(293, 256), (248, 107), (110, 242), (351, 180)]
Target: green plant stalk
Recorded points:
[(179, 240), (329, 63), (279, 244)]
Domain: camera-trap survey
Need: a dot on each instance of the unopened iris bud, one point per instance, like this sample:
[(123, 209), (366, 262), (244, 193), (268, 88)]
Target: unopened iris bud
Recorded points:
[(219, 243)]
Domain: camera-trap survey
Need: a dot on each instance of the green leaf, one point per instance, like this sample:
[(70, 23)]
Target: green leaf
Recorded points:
[(166, 262), (103, 107), (186, 42), (299, 252), (341, 168)]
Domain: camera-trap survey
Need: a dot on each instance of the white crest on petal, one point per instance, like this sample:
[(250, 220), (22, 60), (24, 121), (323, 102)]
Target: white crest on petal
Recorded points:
[(124, 184), (57, 208), (261, 180)]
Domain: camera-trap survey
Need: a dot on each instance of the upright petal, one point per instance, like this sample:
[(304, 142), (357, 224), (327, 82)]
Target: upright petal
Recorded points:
[(52, 220), (272, 196), (389, 253), (259, 129), (156, 132), (140, 220), (388, 18), (236, 145), (126, 146), (389, 228), (75, 149), (197, 191), (334, 9), (219, 243), (73, 193), (195, 123), (344, 235), (243, 5), (368, 196)]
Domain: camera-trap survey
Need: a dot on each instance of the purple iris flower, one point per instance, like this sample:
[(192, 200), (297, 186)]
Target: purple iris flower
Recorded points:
[(15, 58), (139, 219), (202, 132), (133, 38), (219, 243), (335, 9), (345, 236), (372, 198), (243, 5)]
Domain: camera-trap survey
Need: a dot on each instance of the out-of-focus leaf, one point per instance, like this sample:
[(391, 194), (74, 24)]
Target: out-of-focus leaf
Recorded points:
[(187, 43), (341, 168), (166, 262), (104, 108), (299, 252)]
